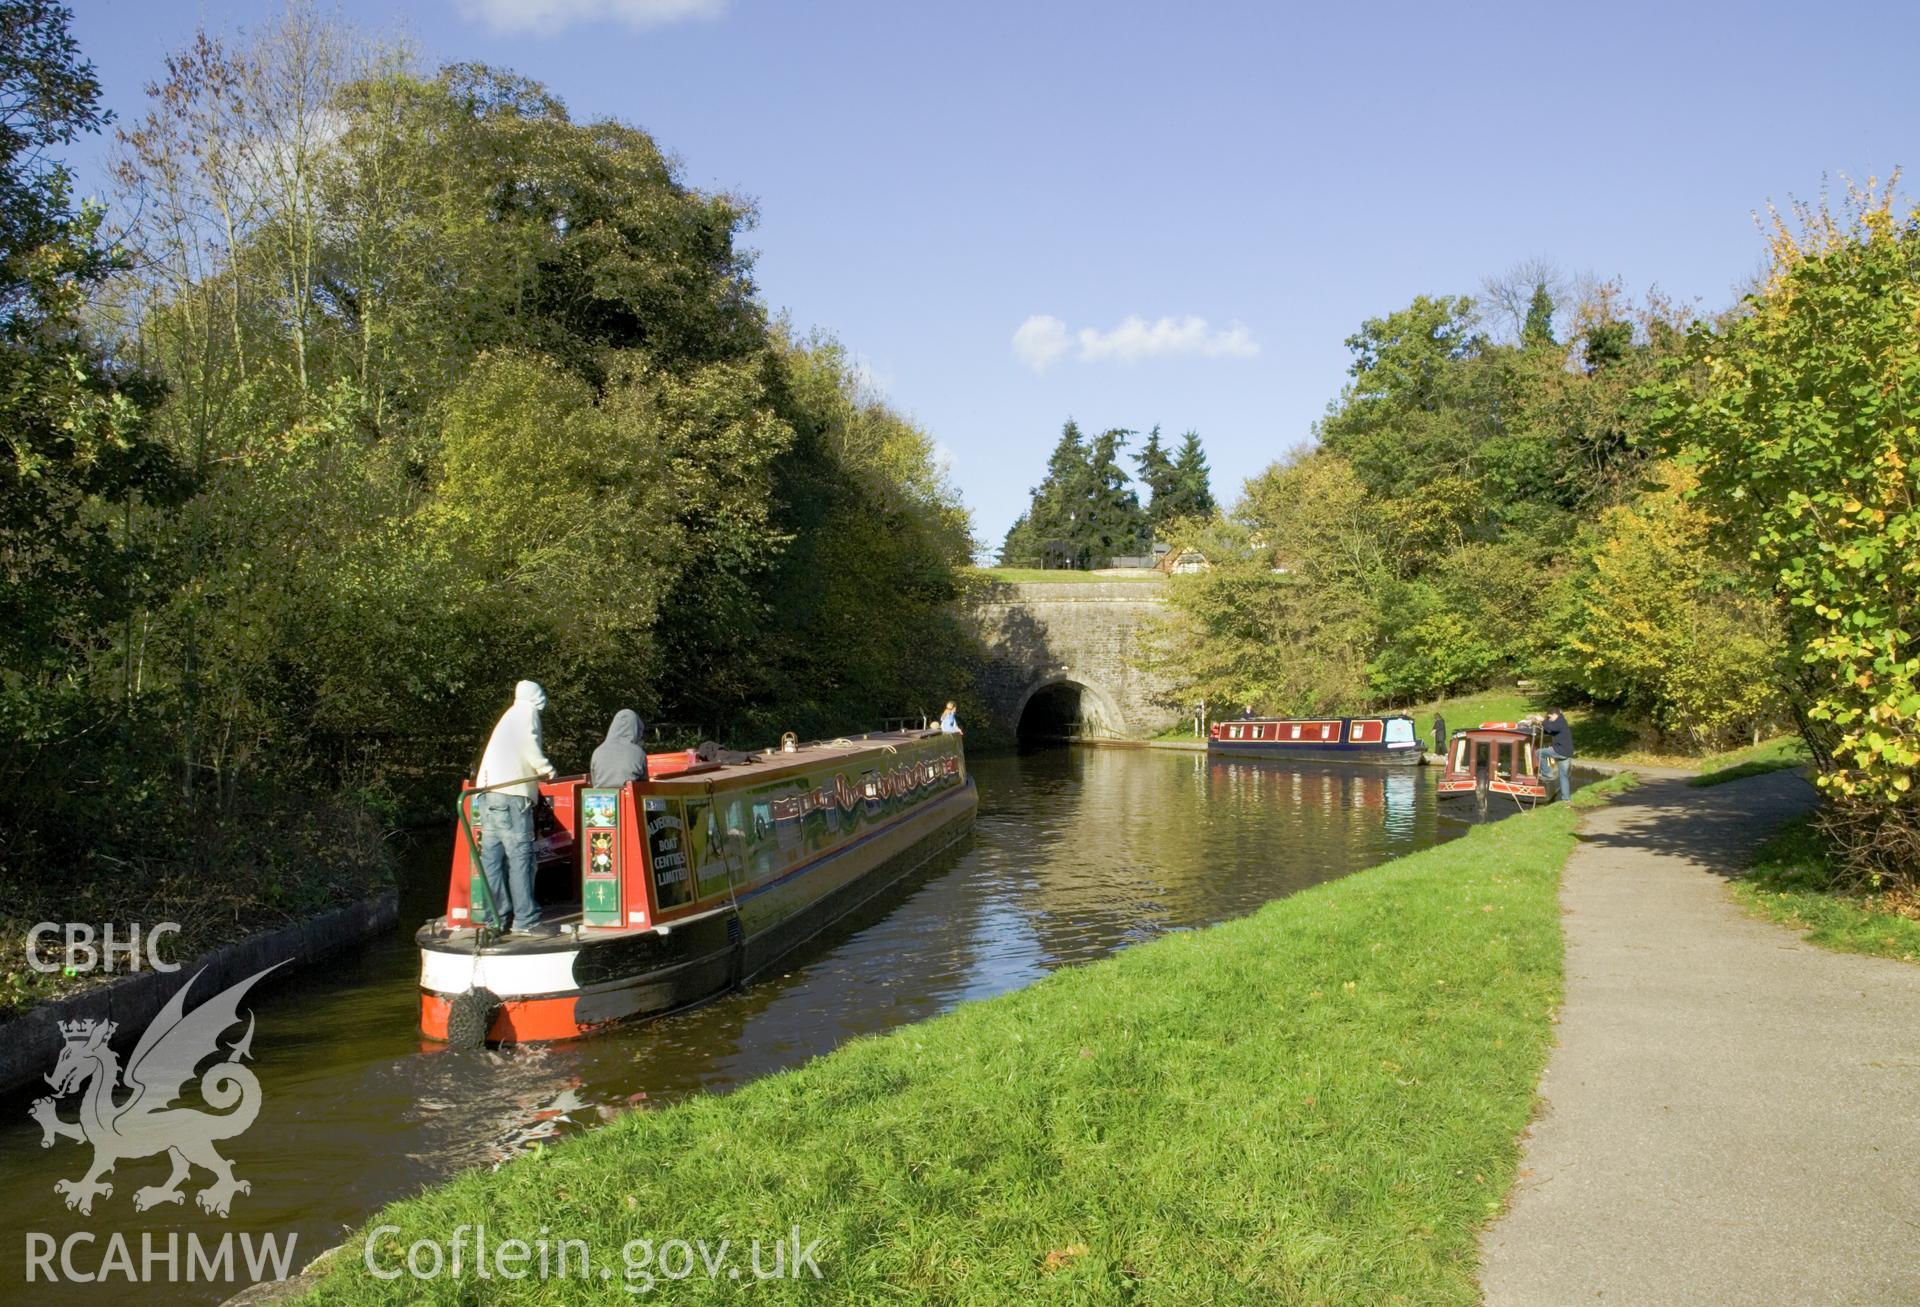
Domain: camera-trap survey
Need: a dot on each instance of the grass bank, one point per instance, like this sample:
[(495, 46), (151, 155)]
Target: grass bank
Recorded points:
[(1601, 734), (1769, 755), (1791, 882), (225, 881), (1316, 1103)]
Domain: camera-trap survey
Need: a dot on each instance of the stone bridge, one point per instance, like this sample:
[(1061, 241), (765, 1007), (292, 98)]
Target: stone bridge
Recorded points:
[(1058, 658)]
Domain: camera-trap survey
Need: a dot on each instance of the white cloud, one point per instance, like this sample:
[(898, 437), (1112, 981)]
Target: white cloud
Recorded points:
[(549, 16), (1042, 339), (1136, 339)]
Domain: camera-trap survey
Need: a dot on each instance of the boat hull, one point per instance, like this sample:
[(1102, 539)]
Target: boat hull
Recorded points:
[(566, 987), (1387, 740), (1534, 793), (1372, 754)]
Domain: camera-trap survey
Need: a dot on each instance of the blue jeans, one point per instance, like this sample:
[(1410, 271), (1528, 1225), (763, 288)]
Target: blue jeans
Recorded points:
[(1561, 763), (506, 859)]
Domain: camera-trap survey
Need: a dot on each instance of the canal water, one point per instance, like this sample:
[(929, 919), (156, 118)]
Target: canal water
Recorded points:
[(1076, 853)]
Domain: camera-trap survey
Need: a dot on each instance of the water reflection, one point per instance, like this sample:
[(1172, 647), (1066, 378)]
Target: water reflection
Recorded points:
[(1075, 854)]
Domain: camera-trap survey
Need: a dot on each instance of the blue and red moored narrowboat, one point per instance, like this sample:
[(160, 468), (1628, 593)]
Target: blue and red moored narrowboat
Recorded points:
[(1321, 739), (669, 890), (1495, 762)]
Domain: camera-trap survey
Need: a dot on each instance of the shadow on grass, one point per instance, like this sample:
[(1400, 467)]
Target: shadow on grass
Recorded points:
[(1740, 771), (1791, 883), (1717, 830)]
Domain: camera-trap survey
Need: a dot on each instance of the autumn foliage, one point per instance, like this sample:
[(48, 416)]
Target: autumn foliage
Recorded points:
[(1801, 419)]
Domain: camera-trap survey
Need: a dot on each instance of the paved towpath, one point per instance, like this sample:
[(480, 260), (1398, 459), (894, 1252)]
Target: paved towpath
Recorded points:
[(1732, 1115)]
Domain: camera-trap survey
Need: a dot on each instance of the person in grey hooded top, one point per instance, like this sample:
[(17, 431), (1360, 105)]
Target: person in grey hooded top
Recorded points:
[(621, 759), (509, 776)]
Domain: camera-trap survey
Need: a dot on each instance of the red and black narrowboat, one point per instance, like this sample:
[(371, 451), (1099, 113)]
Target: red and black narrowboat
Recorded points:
[(1495, 763), (1323, 739), (687, 883)]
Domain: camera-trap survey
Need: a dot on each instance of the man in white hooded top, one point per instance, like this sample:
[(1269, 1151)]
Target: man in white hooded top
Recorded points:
[(510, 772)]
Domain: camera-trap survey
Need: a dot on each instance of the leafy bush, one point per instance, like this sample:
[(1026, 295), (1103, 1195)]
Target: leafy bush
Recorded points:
[(1650, 621), (1801, 418)]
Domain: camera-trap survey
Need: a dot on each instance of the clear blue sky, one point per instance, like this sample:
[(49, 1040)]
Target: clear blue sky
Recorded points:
[(930, 179)]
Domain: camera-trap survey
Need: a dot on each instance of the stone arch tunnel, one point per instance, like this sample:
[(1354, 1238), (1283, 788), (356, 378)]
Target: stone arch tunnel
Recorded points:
[(1059, 659)]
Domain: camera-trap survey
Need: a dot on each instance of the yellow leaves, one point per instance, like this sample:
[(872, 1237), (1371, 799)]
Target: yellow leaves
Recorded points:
[(1059, 1258)]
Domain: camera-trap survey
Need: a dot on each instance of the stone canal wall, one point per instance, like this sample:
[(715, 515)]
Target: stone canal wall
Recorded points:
[(1084, 637)]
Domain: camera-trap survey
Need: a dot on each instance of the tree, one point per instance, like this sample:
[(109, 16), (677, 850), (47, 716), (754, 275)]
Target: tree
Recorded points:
[(1651, 621), (1048, 523), (81, 464), (1084, 512), (1156, 472), (1191, 493), (1115, 522), (1412, 412), (1284, 616), (1801, 418), (74, 423), (1537, 331), (1510, 297)]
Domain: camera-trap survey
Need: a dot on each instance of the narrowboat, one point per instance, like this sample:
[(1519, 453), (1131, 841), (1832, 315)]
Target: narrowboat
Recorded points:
[(1493, 760), (669, 890), (1323, 739)]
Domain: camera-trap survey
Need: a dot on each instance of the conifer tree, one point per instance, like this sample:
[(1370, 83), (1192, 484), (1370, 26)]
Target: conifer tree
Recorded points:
[(1084, 512), (1538, 328), (1192, 492), (1156, 473)]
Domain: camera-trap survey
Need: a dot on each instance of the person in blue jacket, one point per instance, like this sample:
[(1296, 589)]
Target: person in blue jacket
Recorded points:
[(1558, 751)]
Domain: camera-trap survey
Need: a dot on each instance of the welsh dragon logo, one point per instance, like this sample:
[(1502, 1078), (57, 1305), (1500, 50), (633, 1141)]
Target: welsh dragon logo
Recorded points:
[(144, 1122)]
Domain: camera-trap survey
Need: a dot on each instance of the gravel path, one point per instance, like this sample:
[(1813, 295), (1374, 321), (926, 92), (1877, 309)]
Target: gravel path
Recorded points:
[(1732, 1115)]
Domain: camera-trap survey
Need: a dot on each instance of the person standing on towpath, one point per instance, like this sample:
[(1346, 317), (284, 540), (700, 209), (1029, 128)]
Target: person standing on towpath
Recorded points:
[(1559, 750)]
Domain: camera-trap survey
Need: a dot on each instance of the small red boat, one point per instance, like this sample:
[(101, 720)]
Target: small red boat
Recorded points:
[(1492, 760), (669, 890)]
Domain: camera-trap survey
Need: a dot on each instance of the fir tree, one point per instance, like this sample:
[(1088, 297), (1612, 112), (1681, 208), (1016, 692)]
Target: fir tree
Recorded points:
[(1156, 473), (1084, 512), (1191, 494), (1538, 329), (1115, 523)]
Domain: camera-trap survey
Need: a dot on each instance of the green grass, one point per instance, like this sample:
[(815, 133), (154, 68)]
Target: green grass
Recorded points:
[(1319, 1103), (1791, 883), (1501, 704), (1060, 576), (1776, 754), (1599, 734), (1596, 733)]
